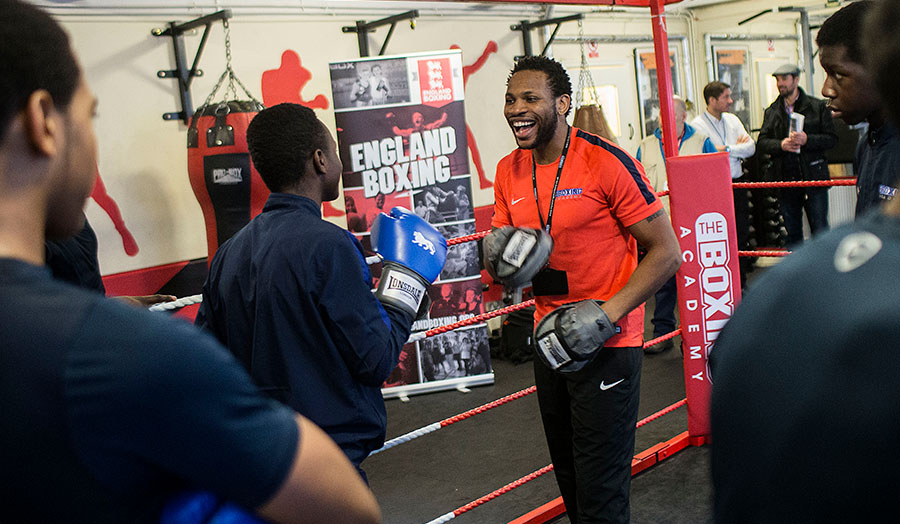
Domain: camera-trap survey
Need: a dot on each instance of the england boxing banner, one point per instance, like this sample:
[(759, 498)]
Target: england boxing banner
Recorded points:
[(402, 139), (709, 283)]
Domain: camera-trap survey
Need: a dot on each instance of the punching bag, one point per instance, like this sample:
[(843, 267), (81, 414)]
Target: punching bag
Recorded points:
[(589, 113), (226, 184)]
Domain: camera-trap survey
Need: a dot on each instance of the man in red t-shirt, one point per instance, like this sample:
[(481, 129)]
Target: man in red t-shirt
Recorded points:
[(596, 203)]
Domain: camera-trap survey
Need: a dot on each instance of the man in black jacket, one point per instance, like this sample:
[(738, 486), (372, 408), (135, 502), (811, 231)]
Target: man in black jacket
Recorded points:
[(796, 148)]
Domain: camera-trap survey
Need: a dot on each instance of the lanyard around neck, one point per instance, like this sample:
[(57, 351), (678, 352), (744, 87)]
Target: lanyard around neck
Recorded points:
[(712, 123), (562, 161)]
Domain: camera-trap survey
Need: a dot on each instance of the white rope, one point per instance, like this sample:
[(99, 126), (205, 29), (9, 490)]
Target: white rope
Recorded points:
[(443, 518), (407, 437), (177, 304)]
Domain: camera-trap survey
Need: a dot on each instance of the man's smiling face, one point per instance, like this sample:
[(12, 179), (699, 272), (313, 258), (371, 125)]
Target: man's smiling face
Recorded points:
[(531, 109)]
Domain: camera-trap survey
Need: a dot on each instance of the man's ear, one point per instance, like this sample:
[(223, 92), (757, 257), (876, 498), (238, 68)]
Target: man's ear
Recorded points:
[(562, 104), (319, 162), (42, 123)]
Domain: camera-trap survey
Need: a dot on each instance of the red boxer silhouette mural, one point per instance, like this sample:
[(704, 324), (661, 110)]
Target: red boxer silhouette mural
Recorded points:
[(284, 85), (106, 202), (468, 70)]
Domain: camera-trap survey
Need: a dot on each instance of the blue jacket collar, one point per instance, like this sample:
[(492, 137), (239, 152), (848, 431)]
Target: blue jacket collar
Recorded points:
[(289, 201), (688, 133)]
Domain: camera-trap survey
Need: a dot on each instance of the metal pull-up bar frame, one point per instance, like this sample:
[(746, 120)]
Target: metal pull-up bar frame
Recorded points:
[(363, 28), (181, 73), (525, 27)]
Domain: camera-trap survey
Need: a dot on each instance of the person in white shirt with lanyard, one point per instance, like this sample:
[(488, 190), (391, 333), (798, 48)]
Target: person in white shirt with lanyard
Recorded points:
[(724, 129), (728, 134)]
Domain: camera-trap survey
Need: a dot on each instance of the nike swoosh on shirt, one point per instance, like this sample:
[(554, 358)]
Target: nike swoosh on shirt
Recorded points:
[(516, 201), (604, 386)]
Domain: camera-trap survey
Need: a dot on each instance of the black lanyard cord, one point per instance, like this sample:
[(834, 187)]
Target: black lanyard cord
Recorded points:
[(562, 161)]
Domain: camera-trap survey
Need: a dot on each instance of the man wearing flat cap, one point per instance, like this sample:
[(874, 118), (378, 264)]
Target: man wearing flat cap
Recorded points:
[(796, 132)]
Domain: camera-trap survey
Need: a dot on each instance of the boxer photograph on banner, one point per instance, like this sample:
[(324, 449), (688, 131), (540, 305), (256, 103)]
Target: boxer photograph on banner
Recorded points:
[(413, 154)]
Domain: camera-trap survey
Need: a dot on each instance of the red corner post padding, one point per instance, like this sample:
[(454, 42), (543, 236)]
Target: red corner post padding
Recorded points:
[(709, 286)]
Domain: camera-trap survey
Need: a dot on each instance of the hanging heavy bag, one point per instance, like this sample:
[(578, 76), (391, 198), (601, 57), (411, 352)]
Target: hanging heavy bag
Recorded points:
[(226, 185), (589, 114), (224, 181), (590, 118)]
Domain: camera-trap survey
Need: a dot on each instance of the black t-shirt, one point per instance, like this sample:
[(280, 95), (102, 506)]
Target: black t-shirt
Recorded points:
[(107, 410), (805, 411), (74, 259)]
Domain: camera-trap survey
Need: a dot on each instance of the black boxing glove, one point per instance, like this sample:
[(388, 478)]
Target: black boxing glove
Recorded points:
[(570, 336), (514, 255)]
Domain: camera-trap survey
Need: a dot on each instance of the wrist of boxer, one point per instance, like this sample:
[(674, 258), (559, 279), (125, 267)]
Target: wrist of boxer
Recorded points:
[(401, 288)]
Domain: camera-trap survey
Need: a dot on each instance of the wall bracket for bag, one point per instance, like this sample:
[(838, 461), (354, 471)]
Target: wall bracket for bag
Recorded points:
[(525, 27), (363, 28), (181, 73)]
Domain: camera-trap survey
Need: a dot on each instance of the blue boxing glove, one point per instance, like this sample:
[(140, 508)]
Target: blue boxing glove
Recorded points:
[(202, 507), (413, 252)]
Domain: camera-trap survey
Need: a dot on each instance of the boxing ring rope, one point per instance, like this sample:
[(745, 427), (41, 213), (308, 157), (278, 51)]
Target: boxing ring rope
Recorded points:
[(177, 304), (837, 181), (454, 419), (841, 181), (490, 496), (430, 428), (193, 299), (531, 476), (662, 338), (477, 319), (467, 238)]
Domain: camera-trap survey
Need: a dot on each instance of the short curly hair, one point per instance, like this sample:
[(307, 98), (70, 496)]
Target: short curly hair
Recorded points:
[(556, 74), (281, 139), (845, 28), (35, 55), (881, 39)]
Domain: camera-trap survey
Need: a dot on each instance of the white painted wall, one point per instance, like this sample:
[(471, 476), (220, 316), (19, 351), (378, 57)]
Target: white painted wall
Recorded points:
[(143, 158), (765, 55)]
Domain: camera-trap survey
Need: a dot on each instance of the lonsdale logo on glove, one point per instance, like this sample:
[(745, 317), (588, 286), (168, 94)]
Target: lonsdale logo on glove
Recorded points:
[(413, 252), (404, 288)]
